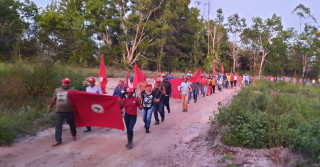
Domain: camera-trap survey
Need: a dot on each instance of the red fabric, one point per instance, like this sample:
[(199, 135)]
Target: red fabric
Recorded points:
[(222, 69), (155, 79), (214, 70), (103, 75), (196, 77), (175, 83), (204, 81), (231, 78), (130, 105), (138, 76), (84, 104), (126, 80)]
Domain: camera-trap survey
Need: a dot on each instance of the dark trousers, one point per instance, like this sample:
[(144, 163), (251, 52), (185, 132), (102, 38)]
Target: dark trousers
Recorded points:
[(60, 117), (235, 83), (166, 103), (130, 121), (195, 94), (159, 108), (231, 83), (227, 84), (213, 88), (89, 128)]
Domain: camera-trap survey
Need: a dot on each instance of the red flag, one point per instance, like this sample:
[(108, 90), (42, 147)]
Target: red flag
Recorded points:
[(103, 75), (138, 76), (126, 80), (96, 110), (155, 79), (214, 70), (175, 83), (222, 69), (196, 77)]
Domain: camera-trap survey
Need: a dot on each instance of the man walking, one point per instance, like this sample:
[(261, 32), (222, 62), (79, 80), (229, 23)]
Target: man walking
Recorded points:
[(167, 86), (184, 91), (159, 92), (64, 111), (92, 88)]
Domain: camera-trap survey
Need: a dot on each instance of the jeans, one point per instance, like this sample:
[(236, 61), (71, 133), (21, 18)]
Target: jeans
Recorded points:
[(219, 87), (60, 117), (195, 95), (130, 121), (159, 108), (227, 84), (184, 99), (189, 97), (204, 89), (166, 102), (146, 116)]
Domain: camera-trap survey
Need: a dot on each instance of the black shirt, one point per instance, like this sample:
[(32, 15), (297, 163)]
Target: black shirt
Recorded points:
[(167, 86), (147, 100)]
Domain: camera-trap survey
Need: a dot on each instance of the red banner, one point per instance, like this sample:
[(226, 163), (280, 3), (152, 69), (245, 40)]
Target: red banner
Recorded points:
[(103, 75), (222, 69), (96, 110), (175, 83), (138, 76), (214, 70), (196, 77), (126, 80)]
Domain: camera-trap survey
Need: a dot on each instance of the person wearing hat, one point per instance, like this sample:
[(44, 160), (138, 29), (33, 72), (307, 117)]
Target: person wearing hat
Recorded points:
[(130, 104), (147, 97), (160, 92), (64, 110), (184, 92), (92, 88)]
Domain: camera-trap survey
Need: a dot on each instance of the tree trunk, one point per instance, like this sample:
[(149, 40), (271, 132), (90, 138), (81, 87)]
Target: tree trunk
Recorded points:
[(264, 54)]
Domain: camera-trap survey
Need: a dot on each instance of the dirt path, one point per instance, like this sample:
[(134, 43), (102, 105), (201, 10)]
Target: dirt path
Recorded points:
[(168, 144)]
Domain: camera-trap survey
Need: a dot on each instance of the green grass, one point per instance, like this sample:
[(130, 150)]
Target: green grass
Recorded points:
[(289, 117)]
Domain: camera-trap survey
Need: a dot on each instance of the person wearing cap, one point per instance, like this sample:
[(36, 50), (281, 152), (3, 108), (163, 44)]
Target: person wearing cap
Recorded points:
[(204, 83), (120, 90), (92, 88), (160, 92), (213, 83), (167, 86), (64, 110), (130, 104), (147, 97), (185, 88)]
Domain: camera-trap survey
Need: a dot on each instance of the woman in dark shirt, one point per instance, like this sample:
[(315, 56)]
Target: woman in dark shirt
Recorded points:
[(147, 97)]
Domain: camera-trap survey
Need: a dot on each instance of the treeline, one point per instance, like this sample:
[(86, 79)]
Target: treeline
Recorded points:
[(160, 35)]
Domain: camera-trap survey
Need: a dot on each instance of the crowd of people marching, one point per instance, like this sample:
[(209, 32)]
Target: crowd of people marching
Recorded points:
[(152, 99)]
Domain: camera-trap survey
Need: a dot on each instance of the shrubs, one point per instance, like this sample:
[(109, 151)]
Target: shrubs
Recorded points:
[(265, 120), (25, 92)]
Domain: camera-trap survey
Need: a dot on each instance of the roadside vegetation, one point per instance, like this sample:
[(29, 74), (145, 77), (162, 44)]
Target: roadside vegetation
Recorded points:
[(268, 114), (26, 91)]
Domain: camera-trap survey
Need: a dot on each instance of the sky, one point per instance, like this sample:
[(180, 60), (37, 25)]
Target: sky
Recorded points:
[(249, 9), (259, 8)]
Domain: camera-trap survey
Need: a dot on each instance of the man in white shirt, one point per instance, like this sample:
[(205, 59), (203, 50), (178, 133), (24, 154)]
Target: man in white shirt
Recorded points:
[(92, 88), (235, 80), (184, 91)]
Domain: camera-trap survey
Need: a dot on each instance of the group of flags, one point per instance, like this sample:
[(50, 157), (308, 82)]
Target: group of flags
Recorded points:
[(103, 110)]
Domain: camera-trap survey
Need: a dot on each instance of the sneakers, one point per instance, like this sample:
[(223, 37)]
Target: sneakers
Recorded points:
[(57, 144), (147, 130), (156, 123), (195, 101)]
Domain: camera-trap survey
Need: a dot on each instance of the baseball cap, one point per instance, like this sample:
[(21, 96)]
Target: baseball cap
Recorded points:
[(92, 80), (130, 90), (65, 80)]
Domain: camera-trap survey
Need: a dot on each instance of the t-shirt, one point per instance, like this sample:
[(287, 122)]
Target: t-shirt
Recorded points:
[(235, 77), (232, 78), (170, 77), (130, 104), (94, 89), (120, 93), (213, 82), (195, 86), (228, 78), (185, 86), (204, 81), (147, 100), (63, 103)]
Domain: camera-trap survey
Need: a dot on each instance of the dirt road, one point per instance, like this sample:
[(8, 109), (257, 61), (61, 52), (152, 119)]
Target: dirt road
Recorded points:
[(167, 144)]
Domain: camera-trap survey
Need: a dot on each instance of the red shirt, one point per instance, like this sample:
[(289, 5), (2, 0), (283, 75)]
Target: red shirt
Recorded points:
[(204, 81), (232, 78), (130, 104)]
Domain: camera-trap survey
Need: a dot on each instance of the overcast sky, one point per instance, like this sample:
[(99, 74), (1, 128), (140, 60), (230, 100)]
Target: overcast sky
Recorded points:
[(249, 8)]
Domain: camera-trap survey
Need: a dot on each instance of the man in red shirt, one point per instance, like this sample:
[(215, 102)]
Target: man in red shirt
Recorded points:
[(204, 82), (130, 104)]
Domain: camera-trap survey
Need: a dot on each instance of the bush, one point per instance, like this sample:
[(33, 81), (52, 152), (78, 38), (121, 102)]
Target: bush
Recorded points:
[(265, 120)]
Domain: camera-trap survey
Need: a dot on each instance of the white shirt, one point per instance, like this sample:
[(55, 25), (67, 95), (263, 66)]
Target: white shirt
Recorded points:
[(235, 77), (185, 86), (94, 89)]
